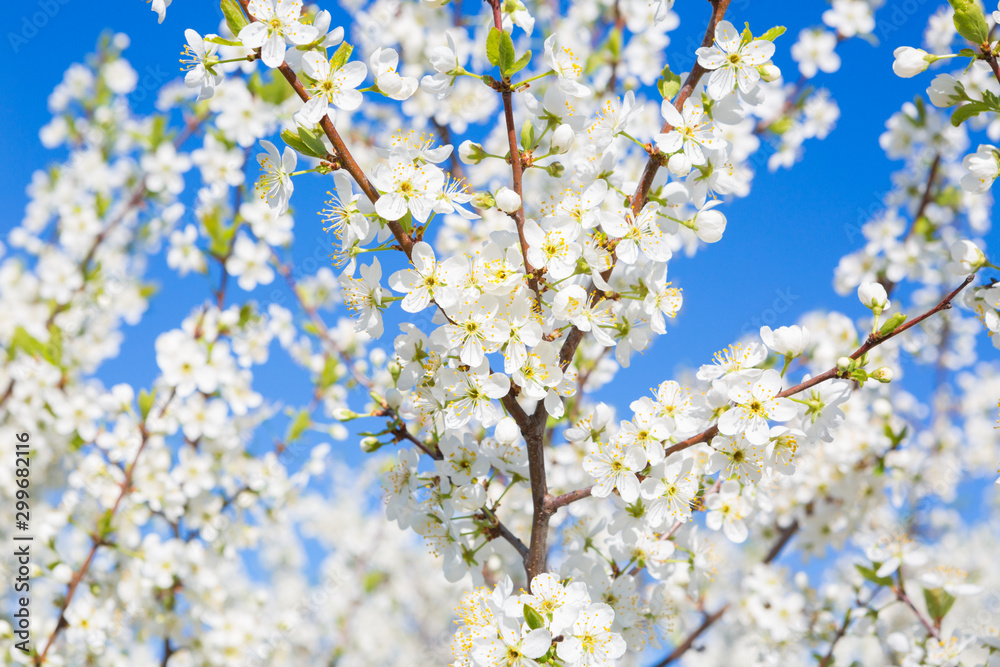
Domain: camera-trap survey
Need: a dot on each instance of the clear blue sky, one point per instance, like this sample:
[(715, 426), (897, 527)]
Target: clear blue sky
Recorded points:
[(781, 245)]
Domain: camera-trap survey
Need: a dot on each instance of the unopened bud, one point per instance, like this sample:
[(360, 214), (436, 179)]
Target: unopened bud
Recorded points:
[(471, 153), (393, 398), (556, 169), (769, 72), (883, 375), (507, 200), (370, 445), (679, 164), (344, 414), (844, 363), (562, 139)]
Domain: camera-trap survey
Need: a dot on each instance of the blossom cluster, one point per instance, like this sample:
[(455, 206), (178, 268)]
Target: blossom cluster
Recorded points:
[(496, 262)]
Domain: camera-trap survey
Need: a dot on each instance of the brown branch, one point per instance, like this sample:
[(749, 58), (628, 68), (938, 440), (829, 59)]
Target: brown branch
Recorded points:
[(344, 156), (683, 647), (505, 533), (653, 164), (874, 340), (903, 597), (925, 199), (98, 540), (827, 659), (516, 165), (783, 538)]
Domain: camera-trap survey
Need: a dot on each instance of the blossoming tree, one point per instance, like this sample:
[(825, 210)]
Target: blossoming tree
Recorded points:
[(519, 267)]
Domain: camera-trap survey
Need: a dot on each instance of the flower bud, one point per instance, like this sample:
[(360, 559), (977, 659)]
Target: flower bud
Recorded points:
[(910, 61), (555, 170), (393, 398), (844, 363), (945, 91), (679, 164), (562, 139), (471, 153), (370, 445), (769, 72), (344, 414), (507, 200), (873, 296), (883, 375)]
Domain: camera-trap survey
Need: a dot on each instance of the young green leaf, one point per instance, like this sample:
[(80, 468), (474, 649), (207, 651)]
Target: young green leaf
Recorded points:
[(521, 63), (891, 324), (493, 46), (668, 83), (939, 602), (967, 111), (235, 18), (314, 143), (298, 426), (774, 33), (340, 56), (146, 399), (527, 135), (533, 618), (869, 574), (297, 145), (970, 22), (507, 54)]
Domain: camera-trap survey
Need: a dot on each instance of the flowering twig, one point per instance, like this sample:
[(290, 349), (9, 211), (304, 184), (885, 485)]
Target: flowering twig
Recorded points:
[(873, 341), (653, 164), (516, 166), (98, 540)]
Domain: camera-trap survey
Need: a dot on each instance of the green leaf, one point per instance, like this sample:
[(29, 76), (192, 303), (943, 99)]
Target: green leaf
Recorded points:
[(520, 64), (533, 618), (507, 54), (493, 46), (774, 33), (235, 18), (158, 132), (310, 139), (22, 340), (970, 22), (329, 375), (891, 324), (614, 43), (215, 39), (747, 36), (296, 144), (990, 99), (527, 135), (340, 56), (869, 574), (146, 400), (967, 111), (669, 83), (939, 602), (302, 421)]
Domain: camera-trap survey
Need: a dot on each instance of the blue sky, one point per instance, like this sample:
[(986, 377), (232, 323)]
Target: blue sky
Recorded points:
[(774, 263)]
